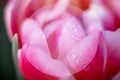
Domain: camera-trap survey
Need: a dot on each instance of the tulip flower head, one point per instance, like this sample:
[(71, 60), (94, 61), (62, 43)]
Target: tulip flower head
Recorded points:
[(65, 39)]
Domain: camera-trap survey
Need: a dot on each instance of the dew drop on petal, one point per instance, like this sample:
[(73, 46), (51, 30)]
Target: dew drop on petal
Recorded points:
[(73, 56)]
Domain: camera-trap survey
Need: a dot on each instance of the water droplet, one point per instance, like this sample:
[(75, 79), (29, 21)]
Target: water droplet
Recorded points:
[(68, 24), (77, 26), (73, 56), (77, 61), (74, 29), (64, 29), (75, 37), (86, 68), (43, 36)]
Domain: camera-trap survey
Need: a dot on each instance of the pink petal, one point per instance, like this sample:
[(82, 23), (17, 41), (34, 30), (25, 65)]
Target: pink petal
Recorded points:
[(44, 15), (43, 62), (117, 76), (71, 33), (8, 18), (95, 69), (65, 31), (115, 6), (113, 42), (83, 53), (113, 51), (32, 35), (95, 18)]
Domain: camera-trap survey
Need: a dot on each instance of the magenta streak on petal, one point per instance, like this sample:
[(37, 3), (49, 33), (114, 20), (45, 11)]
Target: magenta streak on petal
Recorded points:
[(83, 53)]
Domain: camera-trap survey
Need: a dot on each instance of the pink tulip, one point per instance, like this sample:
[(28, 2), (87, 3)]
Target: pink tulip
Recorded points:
[(60, 41)]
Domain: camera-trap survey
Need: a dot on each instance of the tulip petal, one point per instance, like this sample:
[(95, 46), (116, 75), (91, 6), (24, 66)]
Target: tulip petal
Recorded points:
[(112, 40), (71, 33), (117, 76), (31, 34), (83, 53), (8, 18), (97, 22), (43, 62), (48, 15), (65, 31), (115, 6), (113, 43)]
